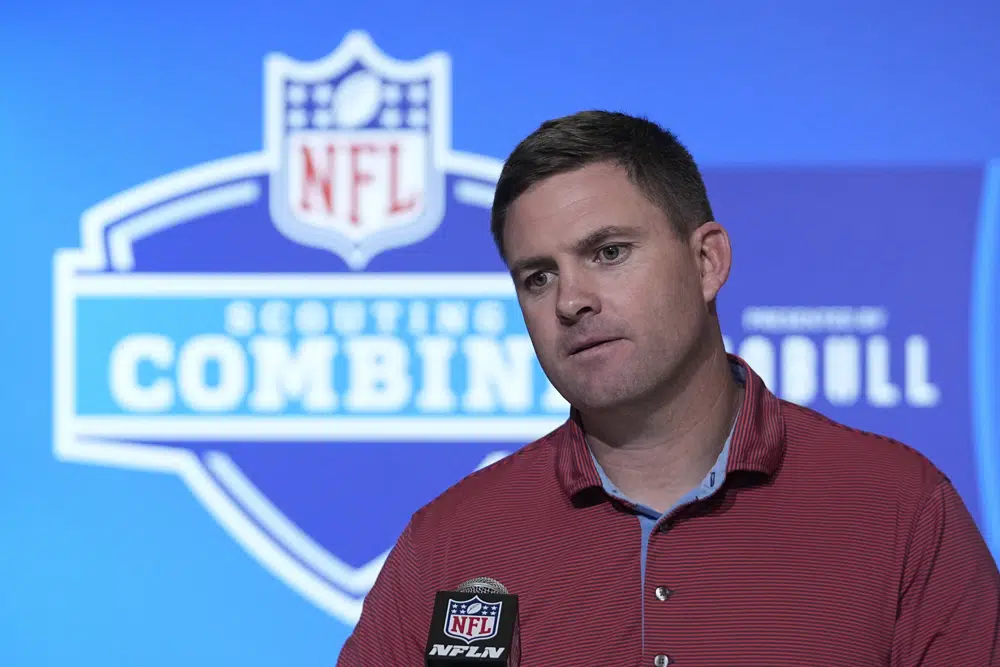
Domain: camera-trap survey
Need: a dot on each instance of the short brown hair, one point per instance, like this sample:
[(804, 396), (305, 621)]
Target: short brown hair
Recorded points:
[(655, 161)]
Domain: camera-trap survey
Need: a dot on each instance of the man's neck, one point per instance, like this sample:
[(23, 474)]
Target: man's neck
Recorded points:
[(656, 454)]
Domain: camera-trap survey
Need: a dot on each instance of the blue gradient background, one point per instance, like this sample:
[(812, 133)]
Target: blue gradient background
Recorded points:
[(110, 567)]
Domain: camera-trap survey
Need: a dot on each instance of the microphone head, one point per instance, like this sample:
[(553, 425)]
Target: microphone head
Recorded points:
[(484, 585)]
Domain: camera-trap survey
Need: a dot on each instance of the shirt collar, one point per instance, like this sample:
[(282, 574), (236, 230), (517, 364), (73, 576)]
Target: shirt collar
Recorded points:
[(756, 443)]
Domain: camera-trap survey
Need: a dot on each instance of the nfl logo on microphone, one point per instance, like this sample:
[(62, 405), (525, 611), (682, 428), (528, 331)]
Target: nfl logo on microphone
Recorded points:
[(308, 336), (472, 620)]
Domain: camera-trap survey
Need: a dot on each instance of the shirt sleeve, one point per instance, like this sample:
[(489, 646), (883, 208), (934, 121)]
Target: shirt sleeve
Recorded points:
[(949, 605), (395, 617)]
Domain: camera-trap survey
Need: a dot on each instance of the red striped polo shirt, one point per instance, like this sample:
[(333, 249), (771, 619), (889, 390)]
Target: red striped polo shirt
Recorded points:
[(823, 546)]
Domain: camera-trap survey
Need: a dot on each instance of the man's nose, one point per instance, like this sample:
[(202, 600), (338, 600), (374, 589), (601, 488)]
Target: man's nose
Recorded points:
[(576, 298)]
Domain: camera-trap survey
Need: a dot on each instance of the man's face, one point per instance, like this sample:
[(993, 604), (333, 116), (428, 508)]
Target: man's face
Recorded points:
[(614, 300)]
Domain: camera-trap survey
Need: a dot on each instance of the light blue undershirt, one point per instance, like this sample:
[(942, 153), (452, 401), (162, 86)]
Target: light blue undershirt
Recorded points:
[(649, 518)]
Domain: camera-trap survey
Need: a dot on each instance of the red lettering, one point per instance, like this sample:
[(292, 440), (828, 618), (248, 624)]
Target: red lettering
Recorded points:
[(474, 625), (358, 178), (395, 205), (458, 624), (313, 177)]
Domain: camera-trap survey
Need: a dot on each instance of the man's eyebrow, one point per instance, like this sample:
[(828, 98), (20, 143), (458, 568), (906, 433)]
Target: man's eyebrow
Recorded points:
[(586, 244), (599, 236)]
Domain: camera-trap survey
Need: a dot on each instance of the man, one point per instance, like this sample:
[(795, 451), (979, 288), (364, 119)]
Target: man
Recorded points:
[(683, 515)]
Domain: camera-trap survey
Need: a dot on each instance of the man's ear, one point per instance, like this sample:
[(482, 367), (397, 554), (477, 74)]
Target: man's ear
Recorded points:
[(713, 256)]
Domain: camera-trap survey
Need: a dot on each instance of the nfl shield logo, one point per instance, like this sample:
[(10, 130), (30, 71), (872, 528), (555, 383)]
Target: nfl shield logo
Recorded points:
[(359, 140), (472, 620)]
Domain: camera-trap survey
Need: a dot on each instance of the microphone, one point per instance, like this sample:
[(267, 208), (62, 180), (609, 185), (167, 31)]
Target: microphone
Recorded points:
[(474, 625)]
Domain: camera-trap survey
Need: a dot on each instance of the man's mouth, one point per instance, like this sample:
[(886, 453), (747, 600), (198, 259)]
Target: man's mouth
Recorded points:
[(590, 345)]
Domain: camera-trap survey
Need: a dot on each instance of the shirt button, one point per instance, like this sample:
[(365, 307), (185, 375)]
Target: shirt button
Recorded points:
[(663, 593), (661, 661)]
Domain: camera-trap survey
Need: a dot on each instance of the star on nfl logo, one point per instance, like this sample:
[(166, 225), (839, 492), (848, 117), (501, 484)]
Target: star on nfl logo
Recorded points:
[(472, 620), (361, 141)]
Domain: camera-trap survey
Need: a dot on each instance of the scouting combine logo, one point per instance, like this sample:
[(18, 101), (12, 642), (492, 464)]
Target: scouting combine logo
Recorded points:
[(317, 338)]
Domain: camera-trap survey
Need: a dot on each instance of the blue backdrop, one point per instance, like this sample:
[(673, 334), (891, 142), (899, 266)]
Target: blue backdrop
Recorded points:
[(184, 483)]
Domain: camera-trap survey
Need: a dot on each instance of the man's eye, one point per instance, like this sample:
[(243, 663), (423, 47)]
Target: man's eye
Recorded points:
[(536, 280), (612, 253)]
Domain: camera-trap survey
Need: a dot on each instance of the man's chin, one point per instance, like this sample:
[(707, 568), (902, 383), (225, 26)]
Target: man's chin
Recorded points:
[(601, 398)]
